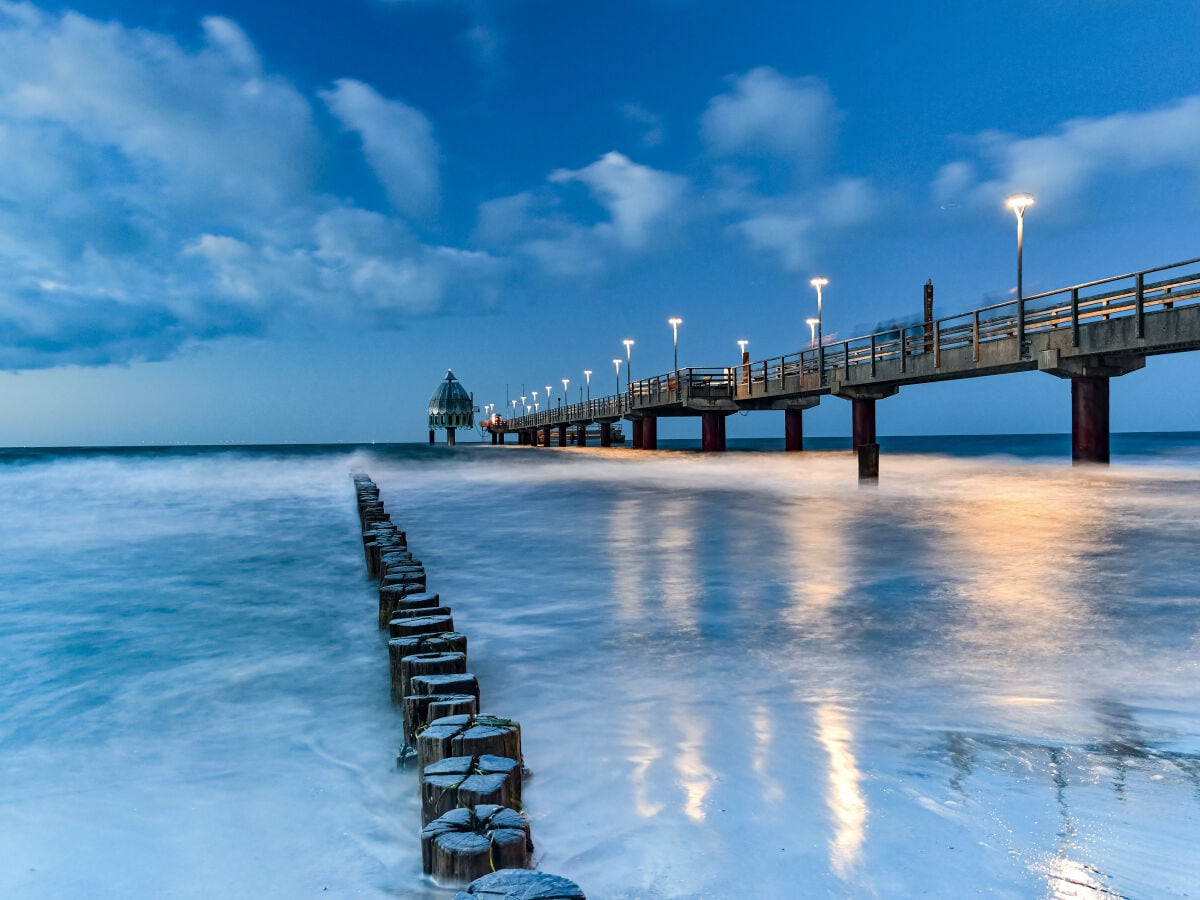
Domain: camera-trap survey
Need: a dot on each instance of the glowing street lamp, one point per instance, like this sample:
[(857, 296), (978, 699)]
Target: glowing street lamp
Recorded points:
[(565, 382), (587, 373), (547, 396), (534, 393), (819, 283), (742, 347), (1018, 203), (675, 322), (628, 342), (617, 364), (812, 331)]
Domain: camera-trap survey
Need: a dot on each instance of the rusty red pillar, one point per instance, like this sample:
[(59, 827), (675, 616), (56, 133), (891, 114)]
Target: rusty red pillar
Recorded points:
[(864, 422), (650, 433), (545, 436), (562, 435), (1089, 419), (637, 434), (605, 434), (793, 429), (712, 432)]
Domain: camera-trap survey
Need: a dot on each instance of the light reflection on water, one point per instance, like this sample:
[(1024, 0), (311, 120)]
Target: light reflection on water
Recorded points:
[(736, 676)]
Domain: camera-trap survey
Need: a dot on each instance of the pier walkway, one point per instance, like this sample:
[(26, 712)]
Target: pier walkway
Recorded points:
[(1089, 333)]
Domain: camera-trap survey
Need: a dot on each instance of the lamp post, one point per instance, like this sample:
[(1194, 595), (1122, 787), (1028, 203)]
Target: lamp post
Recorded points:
[(742, 347), (617, 365), (523, 405), (514, 406), (812, 331), (1018, 203), (534, 393), (565, 382), (587, 373), (547, 396), (819, 283), (675, 322), (628, 342)]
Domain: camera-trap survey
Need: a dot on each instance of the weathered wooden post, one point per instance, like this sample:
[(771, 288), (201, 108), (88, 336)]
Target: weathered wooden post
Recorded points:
[(465, 844), (465, 781), (521, 884), (476, 735)]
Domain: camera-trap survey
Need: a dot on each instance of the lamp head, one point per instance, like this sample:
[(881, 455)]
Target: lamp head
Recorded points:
[(675, 321), (811, 322), (588, 373), (742, 345), (617, 363), (1018, 202), (819, 282)]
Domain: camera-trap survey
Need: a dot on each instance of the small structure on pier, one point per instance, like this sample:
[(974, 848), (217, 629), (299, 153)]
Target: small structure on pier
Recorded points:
[(451, 407)]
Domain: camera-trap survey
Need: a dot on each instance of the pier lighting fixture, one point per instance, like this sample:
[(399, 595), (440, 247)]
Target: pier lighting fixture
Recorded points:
[(819, 283), (587, 373), (812, 331), (1018, 203), (514, 406), (534, 393), (628, 342), (547, 396), (565, 382), (617, 364), (675, 322), (742, 346)]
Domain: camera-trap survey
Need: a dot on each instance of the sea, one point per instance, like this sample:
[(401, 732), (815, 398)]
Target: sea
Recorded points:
[(739, 675)]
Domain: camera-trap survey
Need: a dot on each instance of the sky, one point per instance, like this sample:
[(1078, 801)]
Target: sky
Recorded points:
[(277, 222)]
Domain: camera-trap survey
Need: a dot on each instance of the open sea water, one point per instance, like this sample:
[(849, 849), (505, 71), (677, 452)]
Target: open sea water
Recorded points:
[(738, 676)]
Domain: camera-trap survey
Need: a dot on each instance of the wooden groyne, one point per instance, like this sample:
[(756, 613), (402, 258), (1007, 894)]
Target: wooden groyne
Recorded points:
[(470, 767)]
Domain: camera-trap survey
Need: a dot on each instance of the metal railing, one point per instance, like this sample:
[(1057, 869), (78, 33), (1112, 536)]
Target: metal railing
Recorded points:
[(1131, 295)]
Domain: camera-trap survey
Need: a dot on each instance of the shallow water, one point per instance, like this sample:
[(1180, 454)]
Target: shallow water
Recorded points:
[(737, 675)]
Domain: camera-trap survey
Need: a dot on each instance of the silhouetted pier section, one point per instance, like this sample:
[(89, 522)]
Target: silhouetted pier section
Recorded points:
[(1088, 333)]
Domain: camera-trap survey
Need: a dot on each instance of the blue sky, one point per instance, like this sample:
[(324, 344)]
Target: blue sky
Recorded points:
[(280, 222)]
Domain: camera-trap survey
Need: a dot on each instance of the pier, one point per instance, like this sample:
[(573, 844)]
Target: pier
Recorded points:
[(1089, 333)]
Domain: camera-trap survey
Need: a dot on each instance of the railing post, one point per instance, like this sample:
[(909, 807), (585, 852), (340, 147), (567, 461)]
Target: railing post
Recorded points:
[(1141, 306), (903, 349), (1020, 324), (872, 356), (937, 344), (975, 336), (1074, 317), (846, 357)]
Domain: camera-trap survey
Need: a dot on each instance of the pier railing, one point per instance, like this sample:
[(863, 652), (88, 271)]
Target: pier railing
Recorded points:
[(1134, 294)]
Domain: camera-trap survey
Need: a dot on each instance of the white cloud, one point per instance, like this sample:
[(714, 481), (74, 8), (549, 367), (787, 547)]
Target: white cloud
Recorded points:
[(769, 113), (641, 207), (793, 228), (1062, 165), (397, 140), (637, 198), (153, 195)]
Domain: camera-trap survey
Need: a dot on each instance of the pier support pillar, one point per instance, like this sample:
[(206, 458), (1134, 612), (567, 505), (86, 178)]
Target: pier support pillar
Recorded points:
[(650, 433), (581, 436), (450, 435), (712, 432), (606, 434), (431, 436), (1089, 419), (793, 428), (864, 422), (546, 436), (562, 435), (1090, 377), (637, 434)]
